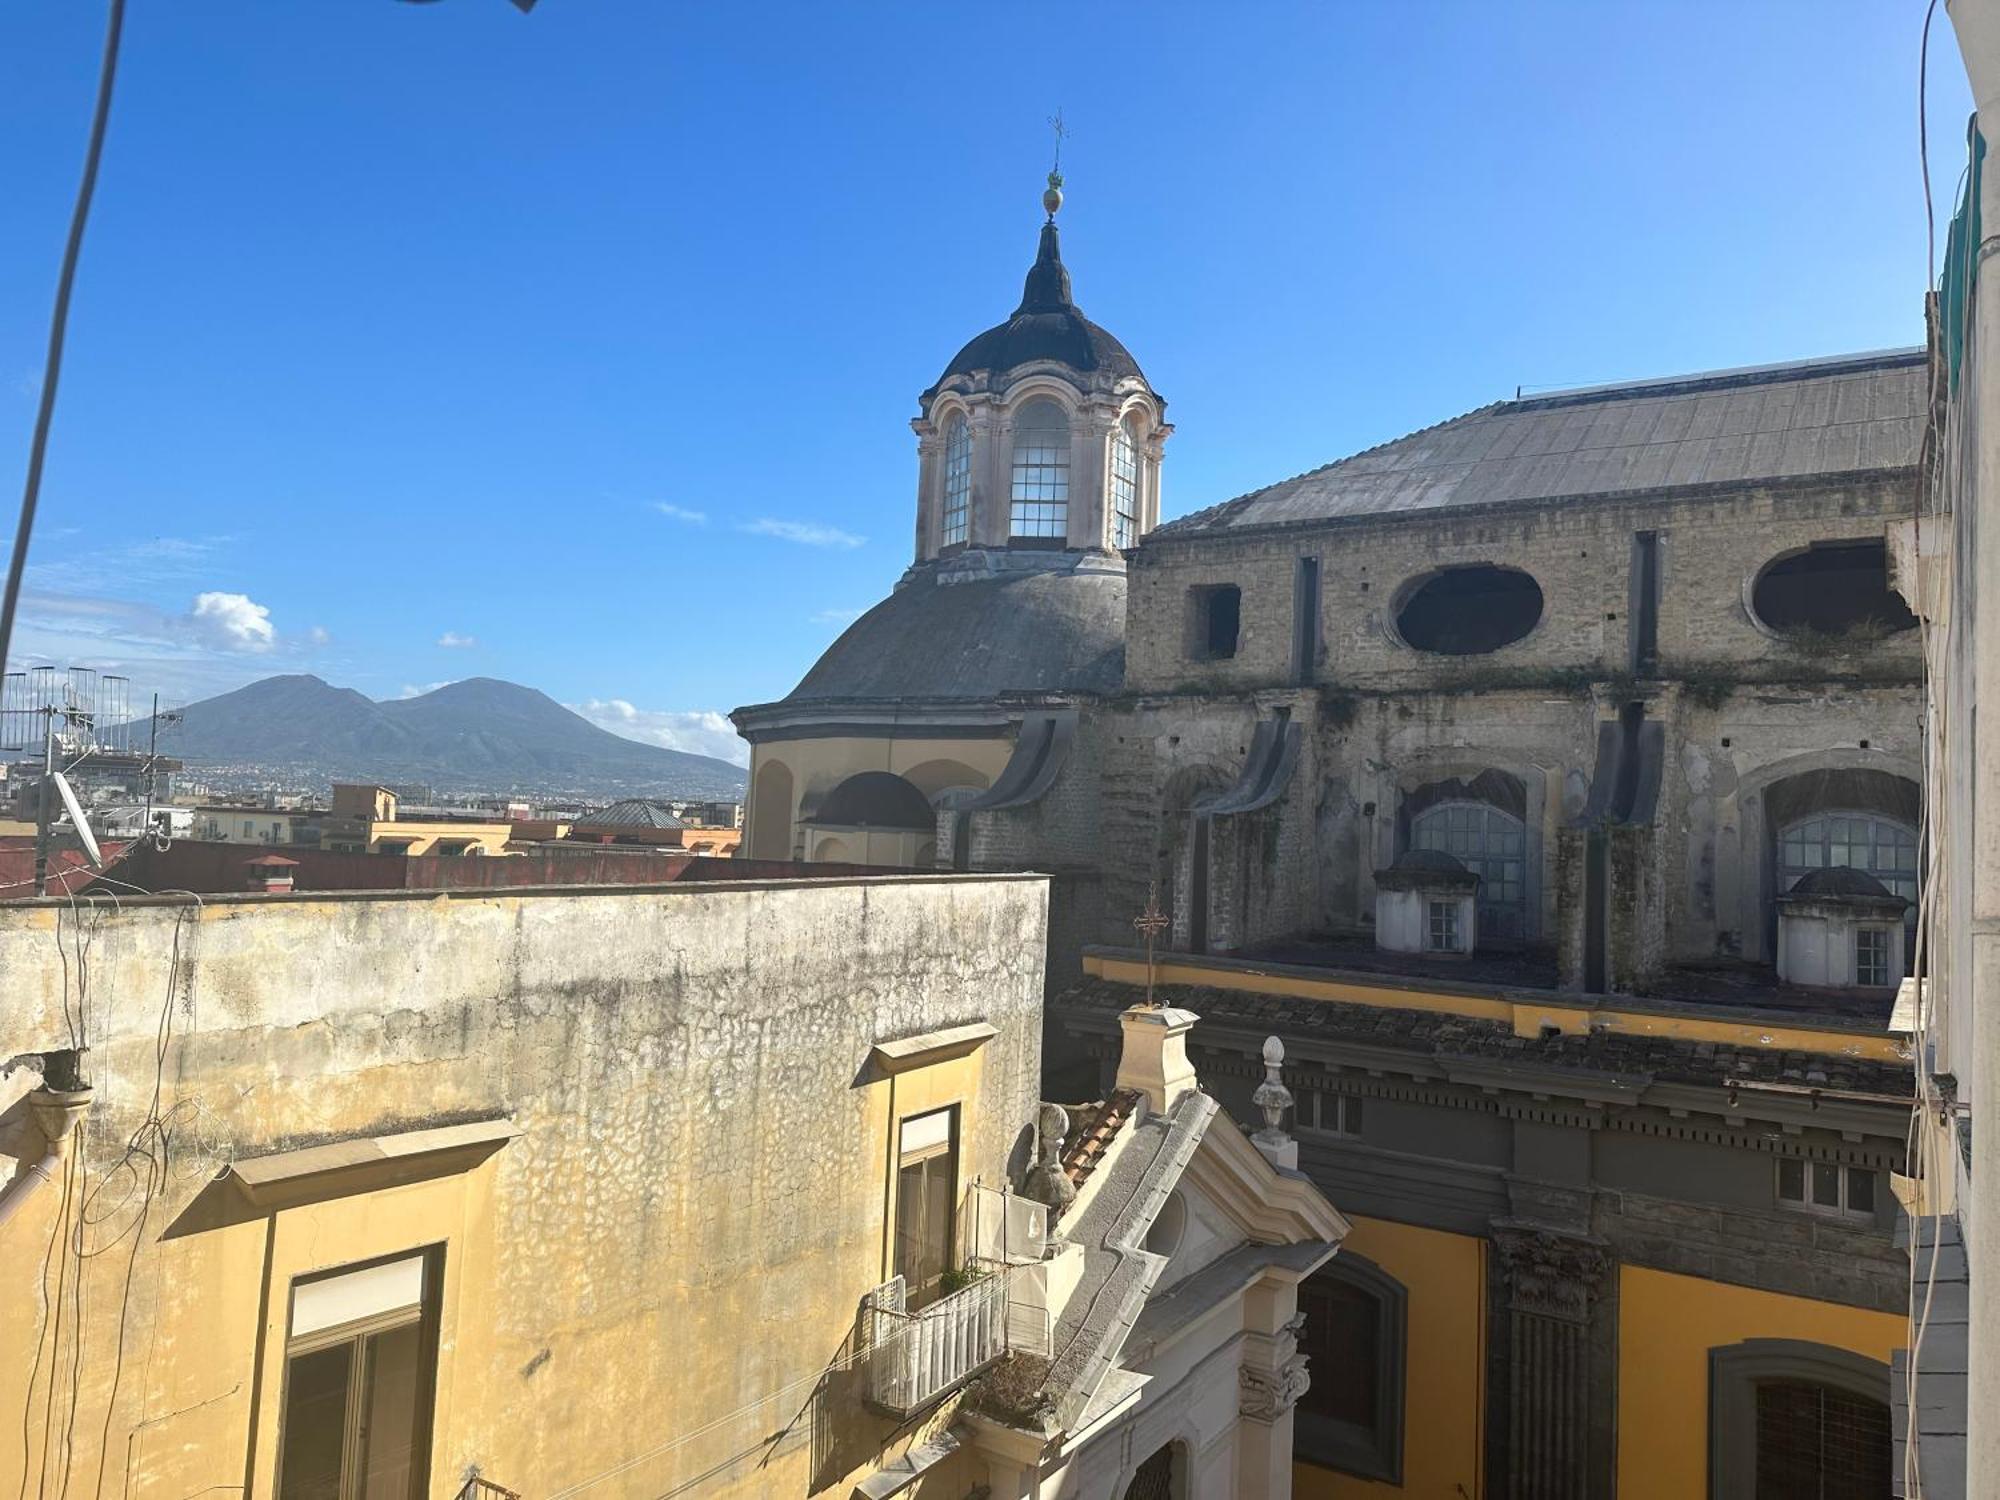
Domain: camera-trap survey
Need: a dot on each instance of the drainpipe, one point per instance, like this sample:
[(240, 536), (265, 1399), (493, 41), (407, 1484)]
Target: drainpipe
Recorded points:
[(55, 1112)]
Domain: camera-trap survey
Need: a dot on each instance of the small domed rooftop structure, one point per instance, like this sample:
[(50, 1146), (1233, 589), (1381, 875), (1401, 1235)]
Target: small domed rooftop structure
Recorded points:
[(1842, 880), (1431, 869), (1038, 466)]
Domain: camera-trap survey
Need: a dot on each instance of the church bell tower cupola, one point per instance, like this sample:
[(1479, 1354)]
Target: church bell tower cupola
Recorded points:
[(1042, 435)]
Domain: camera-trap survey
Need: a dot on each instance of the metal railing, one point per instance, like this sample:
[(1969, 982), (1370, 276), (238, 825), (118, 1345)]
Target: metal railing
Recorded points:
[(916, 1357)]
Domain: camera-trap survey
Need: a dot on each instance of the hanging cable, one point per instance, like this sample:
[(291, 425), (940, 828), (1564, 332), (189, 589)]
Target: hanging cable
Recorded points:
[(38, 445)]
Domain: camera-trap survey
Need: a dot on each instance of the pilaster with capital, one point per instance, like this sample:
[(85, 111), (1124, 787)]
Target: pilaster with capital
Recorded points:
[(1556, 1429)]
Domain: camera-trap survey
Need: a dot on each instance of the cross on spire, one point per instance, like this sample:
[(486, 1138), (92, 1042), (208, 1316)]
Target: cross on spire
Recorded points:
[(1052, 199), (1151, 923)]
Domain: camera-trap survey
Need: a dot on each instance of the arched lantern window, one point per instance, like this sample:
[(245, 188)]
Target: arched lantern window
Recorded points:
[(1041, 471), (1124, 488), (957, 481)]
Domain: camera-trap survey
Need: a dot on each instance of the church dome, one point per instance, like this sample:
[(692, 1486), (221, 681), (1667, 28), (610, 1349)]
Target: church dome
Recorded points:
[(1046, 326), (946, 637)]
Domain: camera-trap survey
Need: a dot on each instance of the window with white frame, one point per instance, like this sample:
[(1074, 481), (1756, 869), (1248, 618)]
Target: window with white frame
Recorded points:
[(1871, 957), (1040, 492), (1444, 927), (360, 1370), (926, 1199), (1124, 488), (1327, 1109), (1824, 1187), (957, 507)]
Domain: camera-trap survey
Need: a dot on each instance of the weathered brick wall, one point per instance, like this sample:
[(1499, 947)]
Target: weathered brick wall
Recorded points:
[(1579, 552), (1742, 707)]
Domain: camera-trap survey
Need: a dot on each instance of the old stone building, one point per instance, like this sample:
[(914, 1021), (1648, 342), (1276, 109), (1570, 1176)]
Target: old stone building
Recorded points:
[(1549, 780), (1038, 464)]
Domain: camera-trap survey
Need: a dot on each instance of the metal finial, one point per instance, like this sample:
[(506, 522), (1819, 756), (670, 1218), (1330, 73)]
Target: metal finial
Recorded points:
[(1052, 199), (1151, 923)]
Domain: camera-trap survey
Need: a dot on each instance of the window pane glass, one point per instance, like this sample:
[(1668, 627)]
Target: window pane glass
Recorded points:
[(957, 480), (1826, 1185), (1817, 1442), (1792, 1180), (1124, 489), (1341, 1341), (1861, 1190), (1351, 1108), (1041, 471), (390, 1403), (313, 1436), (1490, 843)]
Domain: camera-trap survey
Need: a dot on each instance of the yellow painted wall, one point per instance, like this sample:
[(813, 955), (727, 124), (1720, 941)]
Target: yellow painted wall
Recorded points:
[(1444, 1396), (661, 1272), (1666, 1326), (423, 837)]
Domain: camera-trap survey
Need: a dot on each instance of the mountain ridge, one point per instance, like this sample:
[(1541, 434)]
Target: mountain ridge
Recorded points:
[(481, 733)]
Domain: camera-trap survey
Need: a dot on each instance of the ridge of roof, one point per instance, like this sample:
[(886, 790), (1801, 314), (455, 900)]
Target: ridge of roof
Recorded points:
[(1733, 378)]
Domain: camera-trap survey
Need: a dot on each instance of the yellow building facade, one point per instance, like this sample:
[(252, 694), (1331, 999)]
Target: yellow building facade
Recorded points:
[(577, 1193), (1600, 1246)]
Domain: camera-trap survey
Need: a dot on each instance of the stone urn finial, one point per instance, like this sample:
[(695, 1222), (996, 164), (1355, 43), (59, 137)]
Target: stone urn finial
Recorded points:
[(1047, 1183), (1272, 1100)]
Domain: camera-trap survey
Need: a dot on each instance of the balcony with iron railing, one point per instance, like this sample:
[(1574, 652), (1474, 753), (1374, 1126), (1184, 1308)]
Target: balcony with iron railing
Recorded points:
[(917, 1356)]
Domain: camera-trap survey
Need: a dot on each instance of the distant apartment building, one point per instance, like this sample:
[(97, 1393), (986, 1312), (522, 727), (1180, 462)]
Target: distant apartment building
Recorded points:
[(368, 819), (228, 824)]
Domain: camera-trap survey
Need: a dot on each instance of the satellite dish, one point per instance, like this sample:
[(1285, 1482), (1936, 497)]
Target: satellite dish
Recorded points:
[(76, 817)]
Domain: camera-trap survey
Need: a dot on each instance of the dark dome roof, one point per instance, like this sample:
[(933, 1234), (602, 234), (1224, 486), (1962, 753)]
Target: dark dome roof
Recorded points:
[(1046, 630), (1841, 880), (1047, 325)]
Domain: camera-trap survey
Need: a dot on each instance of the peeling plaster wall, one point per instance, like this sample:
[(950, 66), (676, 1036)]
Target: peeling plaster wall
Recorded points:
[(698, 1202)]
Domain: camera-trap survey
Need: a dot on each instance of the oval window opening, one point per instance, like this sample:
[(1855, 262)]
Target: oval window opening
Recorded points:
[(1470, 610), (1834, 589)]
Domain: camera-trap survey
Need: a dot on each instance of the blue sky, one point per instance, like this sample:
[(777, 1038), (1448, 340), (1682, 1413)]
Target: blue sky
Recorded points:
[(422, 342)]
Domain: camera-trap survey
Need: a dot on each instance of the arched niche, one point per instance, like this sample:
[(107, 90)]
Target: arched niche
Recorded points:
[(771, 812)]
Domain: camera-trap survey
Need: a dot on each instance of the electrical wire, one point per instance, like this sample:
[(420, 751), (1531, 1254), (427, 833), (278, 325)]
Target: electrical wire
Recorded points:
[(38, 445)]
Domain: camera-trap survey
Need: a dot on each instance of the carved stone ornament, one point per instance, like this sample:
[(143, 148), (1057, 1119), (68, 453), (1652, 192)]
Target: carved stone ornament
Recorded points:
[(1267, 1394), (1046, 1182), (1554, 1275)]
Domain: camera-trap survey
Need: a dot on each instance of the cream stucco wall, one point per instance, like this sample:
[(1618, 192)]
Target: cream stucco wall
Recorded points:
[(658, 1278), (806, 770)]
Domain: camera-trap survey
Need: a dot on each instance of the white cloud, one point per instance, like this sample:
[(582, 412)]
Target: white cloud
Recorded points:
[(235, 621), (838, 616), (416, 690), (700, 731), (681, 513), (319, 635), (451, 640), (805, 533)]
